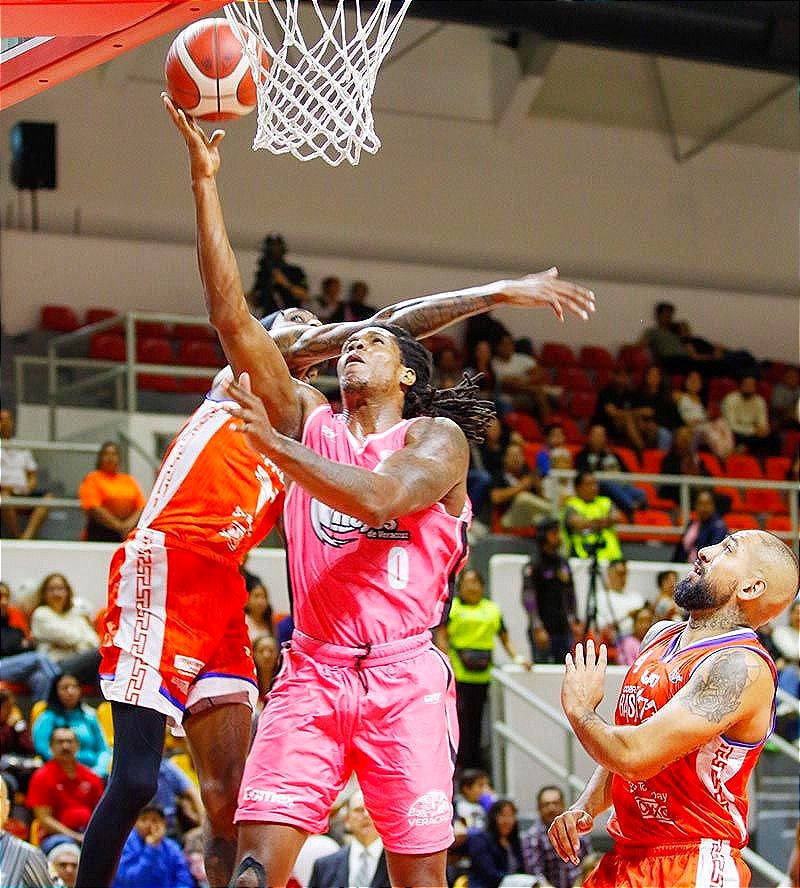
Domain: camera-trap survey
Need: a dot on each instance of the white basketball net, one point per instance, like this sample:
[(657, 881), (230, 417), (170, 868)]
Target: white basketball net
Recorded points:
[(314, 99)]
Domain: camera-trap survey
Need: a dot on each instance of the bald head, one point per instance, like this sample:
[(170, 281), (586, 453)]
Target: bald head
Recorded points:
[(774, 576)]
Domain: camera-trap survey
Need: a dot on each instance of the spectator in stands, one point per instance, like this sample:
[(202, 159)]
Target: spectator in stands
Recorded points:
[(516, 491), (629, 646), (539, 857), (596, 457), (265, 656), (664, 341), (616, 603), (111, 499), (746, 413), (257, 610), (715, 360), (329, 300), (548, 596), (21, 865), (480, 364), (483, 328), (654, 410), (19, 759), (362, 862), (589, 521), (356, 307), (21, 662), (150, 857), (496, 851), (554, 439), (681, 459), (178, 797), (62, 863), (616, 410), (786, 640), (63, 792), (520, 378), (62, 631), (664, 606), (448, 368), (716, 434), (705, 529), (785, 400), (474, 791), (469, 637), (193, 854), (65, 708), (558, 489), (486, 461), (18, 477), (278, 284)]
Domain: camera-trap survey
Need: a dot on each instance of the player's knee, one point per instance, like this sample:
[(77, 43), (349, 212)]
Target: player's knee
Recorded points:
[(219, 801), (138, 787)]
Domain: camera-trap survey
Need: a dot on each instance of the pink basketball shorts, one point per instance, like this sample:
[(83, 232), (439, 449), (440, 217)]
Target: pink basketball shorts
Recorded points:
[(389, 715)]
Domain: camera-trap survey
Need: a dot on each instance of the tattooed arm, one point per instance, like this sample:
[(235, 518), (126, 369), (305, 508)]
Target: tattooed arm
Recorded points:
[(427, 315), (730, 693)]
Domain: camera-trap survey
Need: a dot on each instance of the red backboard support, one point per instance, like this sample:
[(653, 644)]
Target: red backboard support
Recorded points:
[(80, 36)]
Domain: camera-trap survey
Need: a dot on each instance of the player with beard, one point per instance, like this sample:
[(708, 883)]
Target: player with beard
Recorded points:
[(695, 710)]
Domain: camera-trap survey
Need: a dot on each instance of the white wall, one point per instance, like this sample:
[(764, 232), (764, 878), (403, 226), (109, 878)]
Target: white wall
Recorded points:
[(605, 204), (151, 276)]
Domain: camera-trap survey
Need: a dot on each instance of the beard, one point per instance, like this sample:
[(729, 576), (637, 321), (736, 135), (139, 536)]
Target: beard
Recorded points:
[(694, 594)]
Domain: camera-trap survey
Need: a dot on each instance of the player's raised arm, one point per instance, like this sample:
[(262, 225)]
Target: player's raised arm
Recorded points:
[(725, 695), (425, 315), (433, 462), (245, 342)]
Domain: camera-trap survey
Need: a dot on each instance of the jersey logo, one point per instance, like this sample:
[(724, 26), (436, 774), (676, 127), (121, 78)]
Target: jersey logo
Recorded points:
[(634, 706), (336, 529)]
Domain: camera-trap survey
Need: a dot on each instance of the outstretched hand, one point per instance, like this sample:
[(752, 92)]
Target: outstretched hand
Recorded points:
[(547, 289), (250, 415), (203, 150), (584, 678)]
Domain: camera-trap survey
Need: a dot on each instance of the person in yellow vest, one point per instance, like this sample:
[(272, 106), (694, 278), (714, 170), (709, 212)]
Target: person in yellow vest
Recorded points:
[(589, 521), (469, 637)]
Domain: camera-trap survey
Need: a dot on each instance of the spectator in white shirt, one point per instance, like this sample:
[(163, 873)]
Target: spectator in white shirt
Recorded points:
[(746, 413), (520, 377), (18, 478), (616, 603)]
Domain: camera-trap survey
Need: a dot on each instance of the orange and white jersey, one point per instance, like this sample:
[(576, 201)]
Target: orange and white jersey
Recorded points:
[(214, 494), (704, 794)]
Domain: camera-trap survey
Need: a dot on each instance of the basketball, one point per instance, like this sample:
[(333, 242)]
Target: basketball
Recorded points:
[(208, 74)]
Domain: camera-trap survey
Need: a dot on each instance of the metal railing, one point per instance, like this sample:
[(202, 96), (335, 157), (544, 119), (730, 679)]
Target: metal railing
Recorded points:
[(565, 773)]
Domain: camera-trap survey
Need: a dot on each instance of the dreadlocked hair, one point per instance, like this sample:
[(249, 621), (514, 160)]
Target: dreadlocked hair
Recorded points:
[(461, 403)]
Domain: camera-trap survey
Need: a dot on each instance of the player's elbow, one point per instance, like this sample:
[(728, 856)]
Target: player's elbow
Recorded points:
[(636, 765)]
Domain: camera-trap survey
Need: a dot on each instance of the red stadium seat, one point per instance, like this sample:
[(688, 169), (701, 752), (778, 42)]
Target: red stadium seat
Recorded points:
[(107, 347), (203, 332), (155, 350), (791, 442), (712, 464), (582, 404), (742, 465), (654, 518), (774, 373), (153, 330), (531, 451), (602, 377), (778, 523), (525, 424), (557, 354), (741, 521), (95, 315), (721, 386), (633, 357), (654, 501), (765, 390), (595, 357), (651, 460), (757, 499), (573, 378), (777, 467), (198, 353), (627, 457), (58, 319), (734, 494)]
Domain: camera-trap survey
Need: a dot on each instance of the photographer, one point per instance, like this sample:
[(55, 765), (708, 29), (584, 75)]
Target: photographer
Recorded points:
[(589, 521), (278, 284)]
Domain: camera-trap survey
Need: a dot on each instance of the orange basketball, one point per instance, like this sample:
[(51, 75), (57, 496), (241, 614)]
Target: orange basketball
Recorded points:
[(207, 72)]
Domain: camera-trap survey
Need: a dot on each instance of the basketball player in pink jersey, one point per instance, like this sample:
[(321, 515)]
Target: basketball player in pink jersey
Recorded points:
[(175, 646), (695, 710)]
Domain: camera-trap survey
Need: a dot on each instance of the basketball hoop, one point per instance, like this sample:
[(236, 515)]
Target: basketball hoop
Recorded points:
[(314, 97)]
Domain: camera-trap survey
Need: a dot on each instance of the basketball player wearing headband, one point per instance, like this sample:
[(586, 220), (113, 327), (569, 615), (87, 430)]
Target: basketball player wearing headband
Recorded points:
[(695, 710), (175, 646)]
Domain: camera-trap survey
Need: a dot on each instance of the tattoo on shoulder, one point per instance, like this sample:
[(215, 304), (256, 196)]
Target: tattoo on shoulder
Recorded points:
[(717, 690)]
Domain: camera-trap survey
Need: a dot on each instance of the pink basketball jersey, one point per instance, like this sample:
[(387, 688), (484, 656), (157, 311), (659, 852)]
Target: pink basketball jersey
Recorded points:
[(355, 585)]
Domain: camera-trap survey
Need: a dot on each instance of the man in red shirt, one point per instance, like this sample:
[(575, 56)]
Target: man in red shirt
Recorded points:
[(63, 793)]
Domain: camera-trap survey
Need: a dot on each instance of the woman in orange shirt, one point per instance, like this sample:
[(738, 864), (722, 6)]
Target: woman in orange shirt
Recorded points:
[(111, 499)]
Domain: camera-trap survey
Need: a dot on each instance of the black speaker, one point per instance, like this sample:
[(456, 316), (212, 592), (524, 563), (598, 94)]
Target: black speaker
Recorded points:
[(33, 155)]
